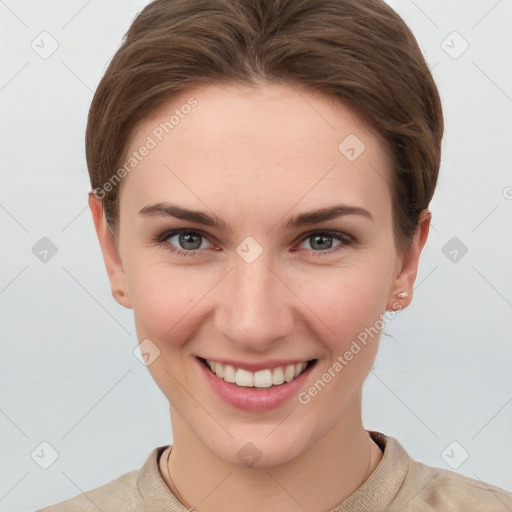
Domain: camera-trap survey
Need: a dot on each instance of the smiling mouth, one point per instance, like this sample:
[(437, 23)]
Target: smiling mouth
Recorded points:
[(262, 379)]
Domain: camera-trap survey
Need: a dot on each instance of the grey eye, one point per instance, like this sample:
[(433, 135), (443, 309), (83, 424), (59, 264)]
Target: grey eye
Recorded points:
[(322, 241), (189, 240)]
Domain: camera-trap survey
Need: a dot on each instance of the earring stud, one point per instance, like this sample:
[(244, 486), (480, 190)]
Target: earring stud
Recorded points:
[(402, 295)]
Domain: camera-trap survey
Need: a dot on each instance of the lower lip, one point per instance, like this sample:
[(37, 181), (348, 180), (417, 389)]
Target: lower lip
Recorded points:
[(254, 399)]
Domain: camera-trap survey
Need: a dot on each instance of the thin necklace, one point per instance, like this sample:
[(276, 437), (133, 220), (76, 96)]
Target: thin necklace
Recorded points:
[(178, 495), (190, 508)]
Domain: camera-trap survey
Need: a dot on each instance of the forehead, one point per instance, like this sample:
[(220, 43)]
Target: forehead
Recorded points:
[(276, 139)]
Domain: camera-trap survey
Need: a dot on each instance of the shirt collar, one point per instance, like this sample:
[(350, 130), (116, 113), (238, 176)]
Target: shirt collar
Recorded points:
[(381, 488), (374, 495)]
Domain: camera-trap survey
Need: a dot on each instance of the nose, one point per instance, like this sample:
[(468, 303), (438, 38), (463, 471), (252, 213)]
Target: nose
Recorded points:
[(256, 307)]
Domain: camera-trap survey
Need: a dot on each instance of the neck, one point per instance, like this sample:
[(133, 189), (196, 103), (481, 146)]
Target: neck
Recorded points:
[(320, 478)]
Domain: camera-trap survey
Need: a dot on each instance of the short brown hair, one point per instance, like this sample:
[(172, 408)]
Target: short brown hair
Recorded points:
[(359, 51)]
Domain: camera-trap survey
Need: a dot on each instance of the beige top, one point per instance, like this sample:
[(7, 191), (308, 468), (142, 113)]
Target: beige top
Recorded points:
[(398, 484)]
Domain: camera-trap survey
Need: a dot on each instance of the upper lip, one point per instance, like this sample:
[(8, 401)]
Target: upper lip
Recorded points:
[(254, 367)]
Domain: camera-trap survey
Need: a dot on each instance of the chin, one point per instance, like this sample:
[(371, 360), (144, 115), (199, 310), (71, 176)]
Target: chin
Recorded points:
[(263, 447)]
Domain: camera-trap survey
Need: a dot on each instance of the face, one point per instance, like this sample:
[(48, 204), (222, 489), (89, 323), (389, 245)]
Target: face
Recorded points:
[(261, 285)]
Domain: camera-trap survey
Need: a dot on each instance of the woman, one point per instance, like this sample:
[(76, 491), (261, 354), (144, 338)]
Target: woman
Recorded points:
[(261, 174)]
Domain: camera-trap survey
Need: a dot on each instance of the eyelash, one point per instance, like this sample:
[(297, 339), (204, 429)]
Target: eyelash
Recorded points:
[(344, 238)]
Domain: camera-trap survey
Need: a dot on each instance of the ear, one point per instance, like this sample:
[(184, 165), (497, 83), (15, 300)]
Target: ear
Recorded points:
[(110, 253), (407, 269)]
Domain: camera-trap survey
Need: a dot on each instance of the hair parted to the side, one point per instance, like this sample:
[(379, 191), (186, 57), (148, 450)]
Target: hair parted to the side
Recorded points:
[(360, 52)]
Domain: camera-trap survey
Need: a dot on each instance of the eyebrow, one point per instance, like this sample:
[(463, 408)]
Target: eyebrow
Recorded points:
[(303, 219)]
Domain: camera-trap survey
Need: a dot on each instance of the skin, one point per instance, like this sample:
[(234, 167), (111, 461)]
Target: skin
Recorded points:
[(256, 156)]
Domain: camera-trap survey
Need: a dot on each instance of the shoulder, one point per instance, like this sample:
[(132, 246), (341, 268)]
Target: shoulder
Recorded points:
[(131, 492), (431, 489), (120, 495)]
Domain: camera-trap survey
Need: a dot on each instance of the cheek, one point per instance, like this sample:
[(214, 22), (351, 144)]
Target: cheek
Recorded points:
[(348, 312), (162, 299), (346, 301)]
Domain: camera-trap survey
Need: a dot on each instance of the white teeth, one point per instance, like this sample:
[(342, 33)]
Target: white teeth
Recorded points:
[(277, 376), (229, 373), (260, 379), (244, 378), (289, 372)]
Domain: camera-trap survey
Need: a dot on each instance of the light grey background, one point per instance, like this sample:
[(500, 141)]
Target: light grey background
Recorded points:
[(68, 373)]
